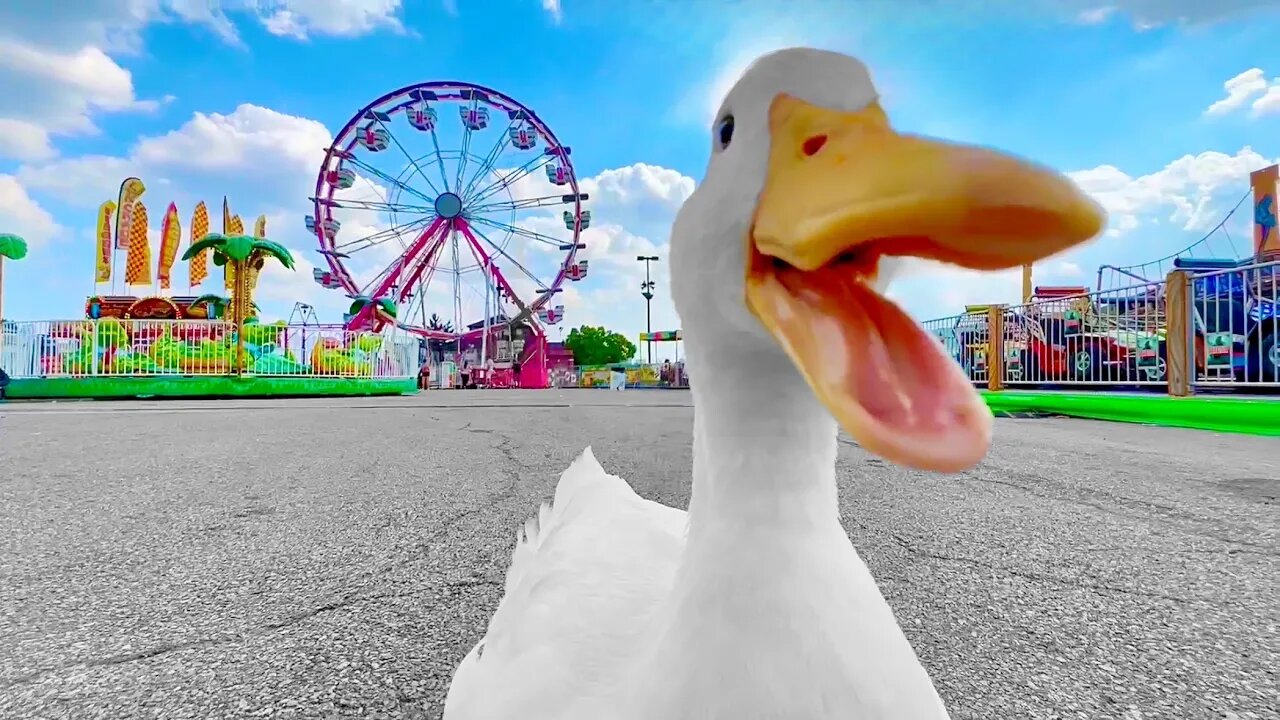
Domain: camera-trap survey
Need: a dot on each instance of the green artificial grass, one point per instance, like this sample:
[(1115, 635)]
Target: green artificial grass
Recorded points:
[(191, 386), (1248, 416)]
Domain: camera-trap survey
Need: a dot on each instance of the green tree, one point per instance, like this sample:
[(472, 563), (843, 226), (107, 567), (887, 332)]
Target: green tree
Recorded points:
[(598, 346), (436, 347), (436, 323), (241, 252)]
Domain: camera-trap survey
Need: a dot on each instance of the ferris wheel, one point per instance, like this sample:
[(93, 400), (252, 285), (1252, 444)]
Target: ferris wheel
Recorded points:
[(454, 202)]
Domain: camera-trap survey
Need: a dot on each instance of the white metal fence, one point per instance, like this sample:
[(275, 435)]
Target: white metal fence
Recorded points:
[(76, 348), (1120, 337), (1235, 328)]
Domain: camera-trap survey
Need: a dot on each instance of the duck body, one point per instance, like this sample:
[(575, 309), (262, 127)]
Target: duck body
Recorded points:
[(618, 607), (754, 604)]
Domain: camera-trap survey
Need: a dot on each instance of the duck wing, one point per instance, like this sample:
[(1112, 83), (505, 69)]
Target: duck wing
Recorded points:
[(586, 576)]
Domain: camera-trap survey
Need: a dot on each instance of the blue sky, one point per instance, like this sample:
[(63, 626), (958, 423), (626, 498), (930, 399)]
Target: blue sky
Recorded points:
[(239, 97)]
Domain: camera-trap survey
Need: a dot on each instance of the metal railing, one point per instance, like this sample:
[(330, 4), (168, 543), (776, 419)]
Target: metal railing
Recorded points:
[(1227, 324), (1111, 337), (967, 339), (1235, 328), (117, 347)]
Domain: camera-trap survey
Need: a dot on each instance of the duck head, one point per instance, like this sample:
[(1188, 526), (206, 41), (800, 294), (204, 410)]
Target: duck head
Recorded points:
[(809, 201)]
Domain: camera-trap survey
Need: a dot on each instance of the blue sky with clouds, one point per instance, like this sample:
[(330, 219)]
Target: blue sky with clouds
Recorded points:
[(1159, 107)]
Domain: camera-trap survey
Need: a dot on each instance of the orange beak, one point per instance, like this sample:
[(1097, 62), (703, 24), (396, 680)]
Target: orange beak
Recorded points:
[(844, 189)]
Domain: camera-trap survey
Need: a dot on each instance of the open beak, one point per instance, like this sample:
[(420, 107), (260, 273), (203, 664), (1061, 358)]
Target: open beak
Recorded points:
[(843, 190)]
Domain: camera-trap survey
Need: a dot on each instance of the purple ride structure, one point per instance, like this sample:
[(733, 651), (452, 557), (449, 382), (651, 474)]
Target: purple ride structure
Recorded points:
[(453, 211)]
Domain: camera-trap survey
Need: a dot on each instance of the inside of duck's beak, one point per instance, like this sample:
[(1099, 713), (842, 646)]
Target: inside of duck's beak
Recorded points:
[(843, 190)]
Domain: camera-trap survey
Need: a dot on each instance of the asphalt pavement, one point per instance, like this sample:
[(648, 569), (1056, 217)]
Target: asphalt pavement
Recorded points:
[(336, 558)]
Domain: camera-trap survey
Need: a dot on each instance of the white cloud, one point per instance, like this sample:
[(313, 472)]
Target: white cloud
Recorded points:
[(1191, 190), (1249, 85), (23, 140), (59, 60), (60, 90), (1240, 89), (552, 7), (1269, 103), (337, 18), (251, 152), (1152, 13), (1095, 16), (22, 215), (115, 25)]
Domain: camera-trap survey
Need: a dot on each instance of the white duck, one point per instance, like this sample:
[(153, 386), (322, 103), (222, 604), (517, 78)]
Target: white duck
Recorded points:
[(755, 604)]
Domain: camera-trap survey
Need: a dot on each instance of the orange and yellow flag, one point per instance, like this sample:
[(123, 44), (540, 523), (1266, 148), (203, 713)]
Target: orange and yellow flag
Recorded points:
[(102, 269), (198, 270), (170, 237), (130, 190), (137, 264)]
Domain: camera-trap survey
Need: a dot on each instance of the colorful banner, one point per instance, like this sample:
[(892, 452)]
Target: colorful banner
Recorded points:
[(198, 270), (130, 190), (102, 269), (1266, 238), (137, 264), (170, 238)]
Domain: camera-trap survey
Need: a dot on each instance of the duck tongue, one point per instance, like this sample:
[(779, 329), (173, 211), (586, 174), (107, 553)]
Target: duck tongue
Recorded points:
[(887, 381)]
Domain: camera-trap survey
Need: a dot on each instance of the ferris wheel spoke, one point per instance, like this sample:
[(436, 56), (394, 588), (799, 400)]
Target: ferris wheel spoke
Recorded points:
[(435, 142), (380, 236), (528, 203), (366, 167), (392, 276), (498, 248), (506, 181), (376, 205), (423, 262), (523, 232), (491, 158), (412, 163), (487, 262), (466, 150)]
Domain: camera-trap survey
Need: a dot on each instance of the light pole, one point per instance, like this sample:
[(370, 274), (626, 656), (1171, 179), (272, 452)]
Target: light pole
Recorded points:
[(646, 290)]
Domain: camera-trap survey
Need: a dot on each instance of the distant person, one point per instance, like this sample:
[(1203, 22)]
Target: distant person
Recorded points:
[(515, 373), (424, 376)]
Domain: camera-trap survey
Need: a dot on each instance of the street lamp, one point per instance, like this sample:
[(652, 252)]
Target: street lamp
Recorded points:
[(646, 291)]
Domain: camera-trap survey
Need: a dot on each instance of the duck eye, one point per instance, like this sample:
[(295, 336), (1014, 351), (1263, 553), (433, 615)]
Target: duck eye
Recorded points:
[(724, 131)]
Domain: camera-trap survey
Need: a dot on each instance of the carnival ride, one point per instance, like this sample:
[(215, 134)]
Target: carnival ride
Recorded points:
[(1117, 333), (453, 200), (148, 331)]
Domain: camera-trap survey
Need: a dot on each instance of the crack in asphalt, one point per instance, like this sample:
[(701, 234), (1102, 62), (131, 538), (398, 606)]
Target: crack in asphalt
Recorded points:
[(1072, 583), (511, 469)]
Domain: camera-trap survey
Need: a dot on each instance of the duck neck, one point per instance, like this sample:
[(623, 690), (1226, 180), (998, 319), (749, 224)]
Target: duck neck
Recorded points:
[(764, 449)]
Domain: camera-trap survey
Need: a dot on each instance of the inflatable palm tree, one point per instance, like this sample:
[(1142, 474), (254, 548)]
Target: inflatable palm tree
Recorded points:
[(383, 308), (12, 247), (240, 252)]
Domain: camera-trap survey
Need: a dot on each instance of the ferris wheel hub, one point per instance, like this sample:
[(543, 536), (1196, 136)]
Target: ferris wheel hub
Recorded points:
[(448, 205)]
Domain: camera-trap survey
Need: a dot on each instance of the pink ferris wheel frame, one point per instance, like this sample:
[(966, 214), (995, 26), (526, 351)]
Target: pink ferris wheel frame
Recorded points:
[(450, 217)]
